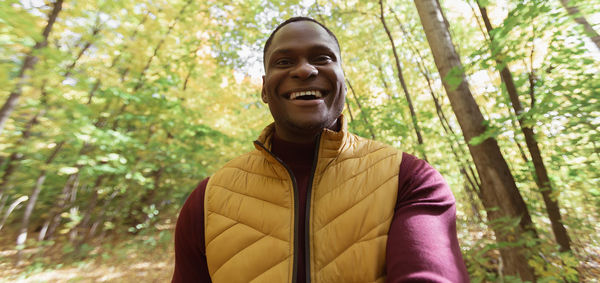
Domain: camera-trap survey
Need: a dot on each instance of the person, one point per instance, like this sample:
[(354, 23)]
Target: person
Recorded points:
[(313, 202)]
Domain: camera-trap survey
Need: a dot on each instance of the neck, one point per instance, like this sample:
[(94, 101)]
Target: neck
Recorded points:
[(304, 135)]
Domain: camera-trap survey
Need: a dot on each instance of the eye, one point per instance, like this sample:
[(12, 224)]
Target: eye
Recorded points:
[(283, 62), (323, 59)]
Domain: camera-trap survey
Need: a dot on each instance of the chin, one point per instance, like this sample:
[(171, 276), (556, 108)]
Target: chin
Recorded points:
[(312, 125)]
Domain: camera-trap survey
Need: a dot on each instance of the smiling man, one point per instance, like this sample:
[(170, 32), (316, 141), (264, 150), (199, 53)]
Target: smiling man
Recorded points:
[(313, 202), (304, 82)]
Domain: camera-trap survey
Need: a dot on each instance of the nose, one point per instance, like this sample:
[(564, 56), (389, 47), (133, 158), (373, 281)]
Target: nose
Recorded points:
[(304, 70)]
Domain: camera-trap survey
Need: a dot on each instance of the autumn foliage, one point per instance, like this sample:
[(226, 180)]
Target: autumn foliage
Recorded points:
[(113, 111)]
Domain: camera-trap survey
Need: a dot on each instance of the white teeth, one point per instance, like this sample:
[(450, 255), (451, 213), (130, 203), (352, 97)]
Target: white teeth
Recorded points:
[(297, 94)]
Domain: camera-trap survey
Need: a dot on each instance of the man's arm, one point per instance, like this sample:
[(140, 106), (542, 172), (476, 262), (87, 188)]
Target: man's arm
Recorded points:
[(422, 243), (190, 256)]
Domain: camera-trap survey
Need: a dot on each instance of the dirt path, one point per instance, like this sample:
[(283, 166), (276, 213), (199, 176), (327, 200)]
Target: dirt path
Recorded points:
[(123, 264)]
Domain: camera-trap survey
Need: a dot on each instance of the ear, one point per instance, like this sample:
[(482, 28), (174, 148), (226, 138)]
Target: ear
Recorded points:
[(263, 93)]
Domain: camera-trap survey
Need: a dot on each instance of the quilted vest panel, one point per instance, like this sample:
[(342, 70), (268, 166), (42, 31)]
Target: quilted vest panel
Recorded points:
[(249, 213), (249, 222), (351, 207)]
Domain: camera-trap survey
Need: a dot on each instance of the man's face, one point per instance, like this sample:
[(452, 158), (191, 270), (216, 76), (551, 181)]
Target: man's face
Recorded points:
[(304, 82)]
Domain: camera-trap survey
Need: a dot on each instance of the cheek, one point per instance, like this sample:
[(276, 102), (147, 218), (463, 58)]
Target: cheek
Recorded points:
[(340, 101), (273, 81)]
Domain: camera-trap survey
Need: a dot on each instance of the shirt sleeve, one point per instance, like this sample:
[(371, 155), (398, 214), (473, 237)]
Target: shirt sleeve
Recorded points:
[(422, 242), (190, 256)]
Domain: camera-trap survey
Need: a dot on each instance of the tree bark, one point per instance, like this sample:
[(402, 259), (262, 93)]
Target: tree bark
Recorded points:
[(541, 174), (499, 192), (28, 63), (580, 19), (413, 113)]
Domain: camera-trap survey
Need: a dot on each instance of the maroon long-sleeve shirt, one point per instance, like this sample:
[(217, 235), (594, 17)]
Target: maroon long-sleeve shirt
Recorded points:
[(422, 244)]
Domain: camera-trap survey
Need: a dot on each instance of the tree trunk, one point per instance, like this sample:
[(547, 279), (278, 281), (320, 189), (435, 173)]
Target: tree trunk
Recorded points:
[(362, 113), (580, 19), (191, 68), (22, 237), (388, 91), (52, 223), (28, 63), (54, 219), (349, 111), (472, 183), (85, 47), (83, 225), (383, 81), (516, 127), (33, 121), (3, 200), (499, 192), (541, 174), (11, 208), (11, 163), (100, 220), (413, 114)]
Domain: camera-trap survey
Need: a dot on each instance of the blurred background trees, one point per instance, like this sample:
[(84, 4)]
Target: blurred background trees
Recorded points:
[(113, 111)]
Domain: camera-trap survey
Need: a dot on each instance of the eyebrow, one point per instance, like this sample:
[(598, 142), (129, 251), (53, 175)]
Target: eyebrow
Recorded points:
[(314, 47)]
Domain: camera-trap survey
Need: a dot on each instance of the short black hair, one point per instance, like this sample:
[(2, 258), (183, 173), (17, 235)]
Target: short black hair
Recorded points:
[(296, 19)]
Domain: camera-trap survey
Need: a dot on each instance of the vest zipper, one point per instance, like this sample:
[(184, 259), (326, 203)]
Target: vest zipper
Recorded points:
[(296, 211), (307, 210)]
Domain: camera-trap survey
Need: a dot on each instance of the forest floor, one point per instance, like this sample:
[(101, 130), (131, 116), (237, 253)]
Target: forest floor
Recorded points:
[(140, 260)]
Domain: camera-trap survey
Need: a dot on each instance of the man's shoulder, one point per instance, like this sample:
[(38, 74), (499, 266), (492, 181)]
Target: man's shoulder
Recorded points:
[(367, 145), (249, 162), (243, 159)]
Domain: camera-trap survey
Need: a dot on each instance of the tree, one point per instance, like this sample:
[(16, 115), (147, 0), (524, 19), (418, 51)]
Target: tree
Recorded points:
[(500, 196), (580, 19), (541, 174), (22, 237), (413, 114), (28, 63)]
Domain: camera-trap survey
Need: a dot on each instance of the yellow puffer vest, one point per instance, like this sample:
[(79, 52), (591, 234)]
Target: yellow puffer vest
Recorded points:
[(251, 214)]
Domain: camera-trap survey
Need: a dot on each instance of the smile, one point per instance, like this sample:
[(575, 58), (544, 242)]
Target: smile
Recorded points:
[(306, 95)]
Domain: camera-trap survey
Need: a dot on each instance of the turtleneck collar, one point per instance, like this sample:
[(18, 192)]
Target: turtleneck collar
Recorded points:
[(266, 136), (291, 152)]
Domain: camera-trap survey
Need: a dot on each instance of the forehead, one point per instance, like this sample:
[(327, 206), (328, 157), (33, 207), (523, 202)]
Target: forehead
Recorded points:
[(301, 34)]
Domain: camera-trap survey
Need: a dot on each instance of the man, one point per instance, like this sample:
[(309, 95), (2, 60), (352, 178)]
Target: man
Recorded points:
[(314, 203)]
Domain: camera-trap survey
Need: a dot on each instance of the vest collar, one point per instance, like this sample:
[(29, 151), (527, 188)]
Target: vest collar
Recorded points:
[(330, 141)]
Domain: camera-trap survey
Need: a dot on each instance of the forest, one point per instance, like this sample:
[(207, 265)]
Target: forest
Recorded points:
[(114, 110)]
